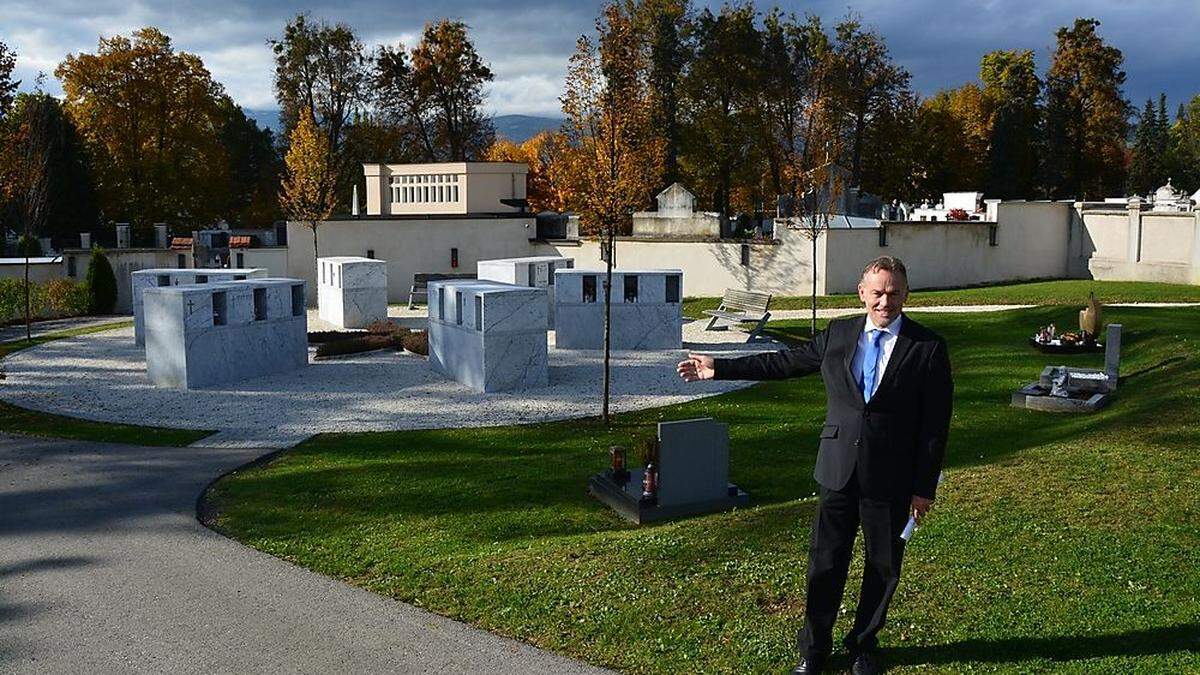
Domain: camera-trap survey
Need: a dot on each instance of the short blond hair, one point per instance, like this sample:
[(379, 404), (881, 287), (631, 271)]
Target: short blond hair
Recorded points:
[(886, 263)]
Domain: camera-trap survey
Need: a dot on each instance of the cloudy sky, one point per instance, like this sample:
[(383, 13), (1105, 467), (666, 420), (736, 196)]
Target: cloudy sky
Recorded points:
[(528, 42)]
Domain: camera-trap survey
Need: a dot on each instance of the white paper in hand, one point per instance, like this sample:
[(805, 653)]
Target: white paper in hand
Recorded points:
[(911, 527)]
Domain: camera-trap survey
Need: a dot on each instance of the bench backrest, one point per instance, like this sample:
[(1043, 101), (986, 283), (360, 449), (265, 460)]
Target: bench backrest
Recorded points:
[(421, 280), (746, 301)]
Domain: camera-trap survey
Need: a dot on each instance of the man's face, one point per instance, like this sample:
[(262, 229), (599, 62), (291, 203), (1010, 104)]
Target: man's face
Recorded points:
[(883, 294)]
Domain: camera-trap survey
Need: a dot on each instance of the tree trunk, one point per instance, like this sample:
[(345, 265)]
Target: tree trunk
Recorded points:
[(813, 326), (28, 316), (609, 241)]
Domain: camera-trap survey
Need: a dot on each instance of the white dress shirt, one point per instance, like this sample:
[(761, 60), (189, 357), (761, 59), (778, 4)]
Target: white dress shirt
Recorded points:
[(886, 344)]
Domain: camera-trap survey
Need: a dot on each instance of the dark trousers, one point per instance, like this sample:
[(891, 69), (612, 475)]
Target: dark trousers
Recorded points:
[(839, 514)]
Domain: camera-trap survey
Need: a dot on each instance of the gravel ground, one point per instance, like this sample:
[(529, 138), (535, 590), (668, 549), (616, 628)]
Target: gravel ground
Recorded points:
[(102, 377)]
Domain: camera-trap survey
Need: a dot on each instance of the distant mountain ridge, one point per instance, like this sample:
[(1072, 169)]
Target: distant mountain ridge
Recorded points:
[(516, 128)]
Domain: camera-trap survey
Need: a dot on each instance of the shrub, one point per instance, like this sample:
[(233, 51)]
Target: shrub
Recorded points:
[(101, 284), (28, 245), (417, 342), (67, 298), (12, 300), (317, 337), (355, 345)]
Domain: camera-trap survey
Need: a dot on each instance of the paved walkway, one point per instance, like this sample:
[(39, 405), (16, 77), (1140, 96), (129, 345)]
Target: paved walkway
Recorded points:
[(17, 332), (104, 568)]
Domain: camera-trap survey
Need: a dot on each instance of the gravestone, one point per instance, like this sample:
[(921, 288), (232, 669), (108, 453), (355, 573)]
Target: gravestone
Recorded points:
[(488, 335), (160, 277), (351, 291), (533, 272), (647, 309), (693, 476), (1068, 389), (200, 335)]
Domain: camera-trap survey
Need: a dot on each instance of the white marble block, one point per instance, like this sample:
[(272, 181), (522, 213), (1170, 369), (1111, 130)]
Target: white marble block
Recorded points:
[(647, 312), (533, 272), (159, 278), (199, 335), (488, 335), (352, 291)]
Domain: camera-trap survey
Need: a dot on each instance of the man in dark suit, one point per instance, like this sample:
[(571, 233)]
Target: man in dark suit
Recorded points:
[(889, 389)]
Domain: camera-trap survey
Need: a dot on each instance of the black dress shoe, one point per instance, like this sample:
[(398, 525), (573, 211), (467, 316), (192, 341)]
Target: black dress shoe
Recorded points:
[(807, 666), (866, 663)]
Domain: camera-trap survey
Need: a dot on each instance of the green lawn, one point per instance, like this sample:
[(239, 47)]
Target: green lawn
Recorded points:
[(14, 419), (1060, 292), (1066, 543)]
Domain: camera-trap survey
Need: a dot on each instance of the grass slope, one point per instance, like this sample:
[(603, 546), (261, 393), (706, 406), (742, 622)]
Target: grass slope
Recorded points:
[(1060, 292), (1066, 543), (18, 420)]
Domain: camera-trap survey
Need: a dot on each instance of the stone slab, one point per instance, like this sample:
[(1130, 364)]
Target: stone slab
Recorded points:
[(140, 280)]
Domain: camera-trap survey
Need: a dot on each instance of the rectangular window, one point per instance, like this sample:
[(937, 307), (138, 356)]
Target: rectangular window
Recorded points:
[(371, 253), (589, 288), (260, 304), (673, 288), (220, 308), (297, 300), (745, 255), (479, 312), (241, 260), (454, 257), (458, 308), (455, 191), (883, 235), (181, 261), (425, 197), (70, 265), (631, 288), (992, 234)]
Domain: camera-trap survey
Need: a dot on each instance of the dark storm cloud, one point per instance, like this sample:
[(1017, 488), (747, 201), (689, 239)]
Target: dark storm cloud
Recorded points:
[(528, 42)]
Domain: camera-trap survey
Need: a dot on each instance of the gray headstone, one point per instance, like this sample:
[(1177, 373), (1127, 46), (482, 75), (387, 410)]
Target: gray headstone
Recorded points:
[(693, 461), (1112, 353)]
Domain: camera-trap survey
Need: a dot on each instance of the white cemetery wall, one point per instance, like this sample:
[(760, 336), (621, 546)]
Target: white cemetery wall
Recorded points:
[(488, 335), (211, 334), (352, 291), (646, 312), (140, 280)]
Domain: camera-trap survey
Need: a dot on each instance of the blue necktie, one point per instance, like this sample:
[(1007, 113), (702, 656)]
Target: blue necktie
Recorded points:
[(870, 364)]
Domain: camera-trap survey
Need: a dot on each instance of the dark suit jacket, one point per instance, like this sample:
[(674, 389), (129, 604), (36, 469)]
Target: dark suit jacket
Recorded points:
[(898, 440)]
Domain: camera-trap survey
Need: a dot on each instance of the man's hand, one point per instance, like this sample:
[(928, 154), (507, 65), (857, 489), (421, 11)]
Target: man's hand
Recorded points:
[(920, 506), (697, 367)]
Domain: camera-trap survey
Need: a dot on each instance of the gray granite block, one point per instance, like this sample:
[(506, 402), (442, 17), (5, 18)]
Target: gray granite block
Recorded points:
[(533, 272), (643, 314), (351, 291), (200, 335), (161, 277)]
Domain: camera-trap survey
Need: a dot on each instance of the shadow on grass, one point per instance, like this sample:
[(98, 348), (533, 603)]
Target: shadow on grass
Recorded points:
[(1146, 642)]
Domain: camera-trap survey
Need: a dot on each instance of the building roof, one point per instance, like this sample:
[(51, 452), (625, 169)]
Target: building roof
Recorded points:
[(239, 241), (181, 243)]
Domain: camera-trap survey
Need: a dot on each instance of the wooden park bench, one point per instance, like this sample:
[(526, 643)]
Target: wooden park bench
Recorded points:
[(742, 306), (420, 285)]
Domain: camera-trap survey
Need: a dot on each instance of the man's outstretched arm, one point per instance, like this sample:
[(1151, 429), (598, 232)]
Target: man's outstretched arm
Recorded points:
[(777, 365)]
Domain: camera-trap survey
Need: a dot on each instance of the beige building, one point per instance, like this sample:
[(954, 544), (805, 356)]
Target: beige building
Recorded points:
[(457, 188)]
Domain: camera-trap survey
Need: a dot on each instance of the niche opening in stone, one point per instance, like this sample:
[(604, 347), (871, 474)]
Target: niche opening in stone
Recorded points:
[(672, 289), (441, 304), (297, 300), (478, 312), (220, 308), (631, 288), (458, 308), (202, 278), (260, 304), (589, 288), (164, 280)]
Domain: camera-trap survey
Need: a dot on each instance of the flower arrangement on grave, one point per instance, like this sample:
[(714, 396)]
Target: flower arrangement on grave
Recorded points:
[(617, 456), (958, 214)]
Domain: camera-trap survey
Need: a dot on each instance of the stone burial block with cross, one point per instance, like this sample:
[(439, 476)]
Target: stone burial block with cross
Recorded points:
[(200, 335), (532, 272), (647, 312), (688, 476), (488, 335), (351, 291), (164, 277)]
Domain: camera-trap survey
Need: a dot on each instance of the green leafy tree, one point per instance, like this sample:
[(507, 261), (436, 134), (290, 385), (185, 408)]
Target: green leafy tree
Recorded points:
[(1013, 90), (666, 23), (8, 86), (1086, 116), (722, 89), (255, 169), (1185, 146), (1149, 167), (101, 283), (308, 187)]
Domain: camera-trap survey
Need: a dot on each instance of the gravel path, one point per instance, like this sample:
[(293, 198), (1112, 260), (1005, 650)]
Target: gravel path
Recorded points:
[(104, 569), (102, 377)]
